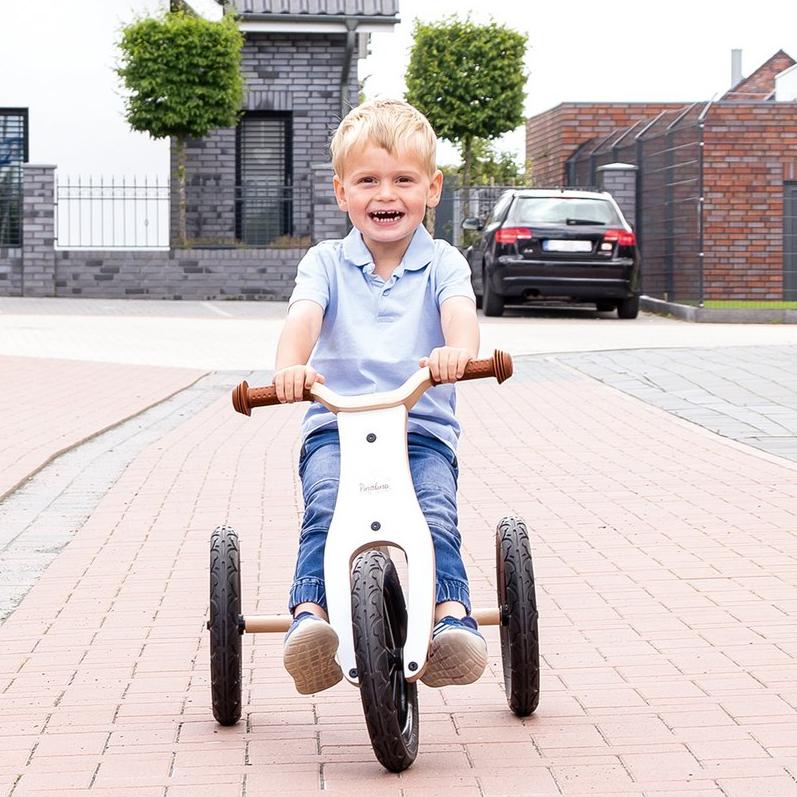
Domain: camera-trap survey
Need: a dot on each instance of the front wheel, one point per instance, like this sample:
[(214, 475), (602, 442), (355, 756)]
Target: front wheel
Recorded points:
[(517, 602), (492, 302), (225, 625), (390, 702)]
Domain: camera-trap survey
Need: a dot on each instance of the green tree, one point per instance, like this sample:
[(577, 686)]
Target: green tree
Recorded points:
[(468, 80), (491, 167), (183, 76)]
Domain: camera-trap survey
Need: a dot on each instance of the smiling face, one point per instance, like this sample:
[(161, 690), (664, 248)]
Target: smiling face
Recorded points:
[(386, 196)]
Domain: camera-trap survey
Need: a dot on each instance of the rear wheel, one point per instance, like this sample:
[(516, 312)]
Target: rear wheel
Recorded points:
[(390, 702), (492, 302), (628, 308), (225, 625), (517, 601)]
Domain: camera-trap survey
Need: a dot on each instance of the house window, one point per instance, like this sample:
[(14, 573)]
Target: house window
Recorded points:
[(265, 179)]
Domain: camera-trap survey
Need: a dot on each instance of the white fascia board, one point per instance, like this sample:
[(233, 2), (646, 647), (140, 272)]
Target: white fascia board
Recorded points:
[(333, 26)]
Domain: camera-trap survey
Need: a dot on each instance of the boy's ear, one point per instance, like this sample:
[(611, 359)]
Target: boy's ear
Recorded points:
[(340, 193), (435, 189)]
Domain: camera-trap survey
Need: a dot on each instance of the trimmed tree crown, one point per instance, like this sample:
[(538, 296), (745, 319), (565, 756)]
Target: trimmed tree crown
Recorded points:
[(183, 74), (468, 79)]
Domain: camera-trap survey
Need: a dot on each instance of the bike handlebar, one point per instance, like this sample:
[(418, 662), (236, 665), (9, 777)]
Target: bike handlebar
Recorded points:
[(244, 398)]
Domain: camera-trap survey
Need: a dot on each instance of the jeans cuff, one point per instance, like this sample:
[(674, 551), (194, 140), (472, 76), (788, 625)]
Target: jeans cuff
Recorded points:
[(453, 590), (307, 590)]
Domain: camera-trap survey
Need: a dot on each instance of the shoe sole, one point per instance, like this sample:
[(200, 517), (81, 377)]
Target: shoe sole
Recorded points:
[(456, 658), (309, 657)]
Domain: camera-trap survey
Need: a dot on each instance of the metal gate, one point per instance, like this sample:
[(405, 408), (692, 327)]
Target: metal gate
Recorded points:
[(13, 153)]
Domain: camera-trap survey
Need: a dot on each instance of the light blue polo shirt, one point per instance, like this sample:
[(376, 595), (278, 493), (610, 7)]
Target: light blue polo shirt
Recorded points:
[(374, 331)]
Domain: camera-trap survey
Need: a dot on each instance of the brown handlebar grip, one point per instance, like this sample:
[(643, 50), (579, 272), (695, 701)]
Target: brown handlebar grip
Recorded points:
[(245, 397), (499, 366)]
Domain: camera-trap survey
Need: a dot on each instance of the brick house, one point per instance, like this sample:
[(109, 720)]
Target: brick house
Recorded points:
[(716, 182), (253, 183)]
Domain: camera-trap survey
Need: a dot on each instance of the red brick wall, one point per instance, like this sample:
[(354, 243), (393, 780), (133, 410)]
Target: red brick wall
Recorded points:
[(761, 83), (750, 148), (552, 136)]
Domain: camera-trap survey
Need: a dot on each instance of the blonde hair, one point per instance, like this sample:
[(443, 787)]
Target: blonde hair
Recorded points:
[(393, 125)]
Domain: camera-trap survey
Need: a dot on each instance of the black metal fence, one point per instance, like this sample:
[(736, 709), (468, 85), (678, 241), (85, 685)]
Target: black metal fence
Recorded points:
[(668, 151), (141, 213), (457, 204)]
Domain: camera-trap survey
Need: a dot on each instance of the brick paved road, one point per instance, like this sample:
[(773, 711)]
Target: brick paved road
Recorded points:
[(47, 406), (667, 567)]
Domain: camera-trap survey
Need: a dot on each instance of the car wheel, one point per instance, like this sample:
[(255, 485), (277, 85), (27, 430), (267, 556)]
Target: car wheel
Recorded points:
[(492, 302), (605, 307), (628, 308)]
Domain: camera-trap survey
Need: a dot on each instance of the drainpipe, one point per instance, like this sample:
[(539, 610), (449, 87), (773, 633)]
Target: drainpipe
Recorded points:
[(351, 40)]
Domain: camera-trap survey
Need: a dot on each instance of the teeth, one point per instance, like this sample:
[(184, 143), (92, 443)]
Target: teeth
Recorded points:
[(386, 214)]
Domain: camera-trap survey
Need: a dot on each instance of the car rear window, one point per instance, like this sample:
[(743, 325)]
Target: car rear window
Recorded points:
[(563, 210)]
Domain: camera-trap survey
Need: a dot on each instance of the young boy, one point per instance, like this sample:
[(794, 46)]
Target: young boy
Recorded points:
[(366, 312)]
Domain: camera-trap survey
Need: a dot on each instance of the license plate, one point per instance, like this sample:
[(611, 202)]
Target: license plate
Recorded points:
[(567, 246)]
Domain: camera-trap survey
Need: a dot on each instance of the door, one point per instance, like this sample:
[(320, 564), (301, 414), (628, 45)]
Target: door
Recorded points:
[(265, 191), (790, 242)]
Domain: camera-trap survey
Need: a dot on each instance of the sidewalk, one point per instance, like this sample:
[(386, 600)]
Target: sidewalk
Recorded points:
[(666, 563), (47, 406)]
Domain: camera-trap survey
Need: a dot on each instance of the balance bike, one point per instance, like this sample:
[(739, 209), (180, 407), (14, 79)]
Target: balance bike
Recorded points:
[(384, 640)]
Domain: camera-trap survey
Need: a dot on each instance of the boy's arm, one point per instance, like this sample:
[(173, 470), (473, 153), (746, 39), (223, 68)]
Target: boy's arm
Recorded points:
[(299, 335), (461, 334)]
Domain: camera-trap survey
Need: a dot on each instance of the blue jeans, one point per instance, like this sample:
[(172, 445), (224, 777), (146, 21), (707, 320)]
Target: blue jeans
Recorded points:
[(434, 473)]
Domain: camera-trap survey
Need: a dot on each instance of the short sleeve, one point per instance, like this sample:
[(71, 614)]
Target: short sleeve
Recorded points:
[(312, 280), (453, 275)]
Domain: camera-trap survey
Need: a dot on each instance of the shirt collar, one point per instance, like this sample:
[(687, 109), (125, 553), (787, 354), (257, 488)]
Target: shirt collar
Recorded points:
[(418, 255)]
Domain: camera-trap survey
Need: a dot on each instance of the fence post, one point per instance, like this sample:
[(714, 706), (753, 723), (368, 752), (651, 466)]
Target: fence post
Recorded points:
[(38, 230), (619, 179), (327, 220)]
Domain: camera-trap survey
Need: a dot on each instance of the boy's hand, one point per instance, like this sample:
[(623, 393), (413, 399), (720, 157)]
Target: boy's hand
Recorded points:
[(446, 363), (290, 382)]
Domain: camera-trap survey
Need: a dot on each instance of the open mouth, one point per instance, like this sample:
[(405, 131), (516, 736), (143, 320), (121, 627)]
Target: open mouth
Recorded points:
[(385, 216)]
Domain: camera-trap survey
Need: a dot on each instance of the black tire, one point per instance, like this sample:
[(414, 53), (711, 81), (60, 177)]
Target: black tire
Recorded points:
[(390, 703), (628, 308), (225, 624), (605, 307), (517, 601), (492, 302)]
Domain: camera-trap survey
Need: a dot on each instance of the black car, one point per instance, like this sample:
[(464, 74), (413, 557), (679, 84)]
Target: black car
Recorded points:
[(555, 244)]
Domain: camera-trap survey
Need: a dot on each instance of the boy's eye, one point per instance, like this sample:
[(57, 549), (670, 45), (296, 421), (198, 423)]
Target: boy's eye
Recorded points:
[(405, 180), (366, 180)]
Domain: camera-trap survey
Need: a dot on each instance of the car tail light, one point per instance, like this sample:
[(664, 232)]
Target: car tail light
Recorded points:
[(510, 235), (623, 237)]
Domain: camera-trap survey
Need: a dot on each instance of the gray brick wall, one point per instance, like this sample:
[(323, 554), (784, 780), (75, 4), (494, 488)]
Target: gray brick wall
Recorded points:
[(328, 220), (198, 274), (296, 73), (38, 230), (620, 181), (10, 271)]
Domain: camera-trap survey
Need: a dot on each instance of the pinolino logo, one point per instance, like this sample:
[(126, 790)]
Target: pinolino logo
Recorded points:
[(374, 487)]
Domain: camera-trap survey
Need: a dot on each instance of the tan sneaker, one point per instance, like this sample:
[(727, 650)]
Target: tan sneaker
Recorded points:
[(309, 654), (458, 654)]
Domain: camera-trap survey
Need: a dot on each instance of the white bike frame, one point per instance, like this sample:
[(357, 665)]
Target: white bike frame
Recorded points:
[(376, 507)]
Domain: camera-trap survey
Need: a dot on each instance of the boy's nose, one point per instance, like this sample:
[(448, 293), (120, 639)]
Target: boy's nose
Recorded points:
[(385, 190)]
